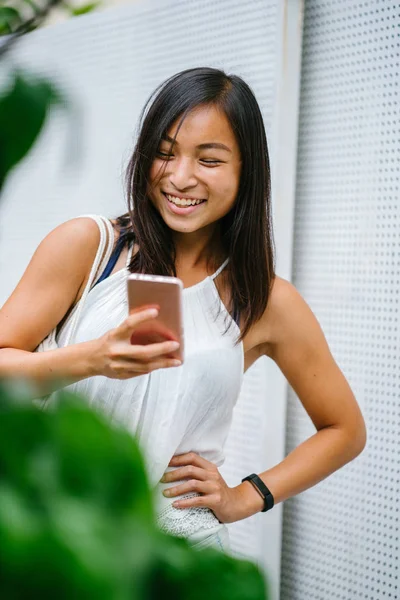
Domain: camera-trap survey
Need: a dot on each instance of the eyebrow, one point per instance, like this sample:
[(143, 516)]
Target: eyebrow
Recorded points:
[(207, 146)]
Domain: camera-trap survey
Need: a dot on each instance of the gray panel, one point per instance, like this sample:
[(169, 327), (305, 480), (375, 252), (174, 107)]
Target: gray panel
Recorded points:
[(341, 538)]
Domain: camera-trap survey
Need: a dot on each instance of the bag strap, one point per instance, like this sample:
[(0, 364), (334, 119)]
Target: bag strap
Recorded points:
[(109, 249), (129, 255), (106, 241)]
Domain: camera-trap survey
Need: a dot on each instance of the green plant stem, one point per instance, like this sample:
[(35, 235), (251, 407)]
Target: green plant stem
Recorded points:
[(26, 26)]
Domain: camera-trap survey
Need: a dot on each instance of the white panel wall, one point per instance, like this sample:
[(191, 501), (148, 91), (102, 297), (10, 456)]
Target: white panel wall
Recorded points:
[(109, 63), (341, 539)]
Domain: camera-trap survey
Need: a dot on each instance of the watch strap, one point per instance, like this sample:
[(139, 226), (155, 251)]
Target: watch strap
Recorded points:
[(262, 488)]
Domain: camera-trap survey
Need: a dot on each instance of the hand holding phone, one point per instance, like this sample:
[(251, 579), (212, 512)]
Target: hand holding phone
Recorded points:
[(112, 355), (165, 294)]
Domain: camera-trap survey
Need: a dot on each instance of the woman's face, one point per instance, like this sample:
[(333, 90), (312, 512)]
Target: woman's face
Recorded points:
[(201, 178)]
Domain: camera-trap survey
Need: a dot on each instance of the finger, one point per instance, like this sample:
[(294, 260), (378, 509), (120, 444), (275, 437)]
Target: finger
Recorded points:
[(189, 472), (145, 368), (127, 326), (205, 501), (138, 309), (150, 351), (191, 458), (193, 485), (164, 364)]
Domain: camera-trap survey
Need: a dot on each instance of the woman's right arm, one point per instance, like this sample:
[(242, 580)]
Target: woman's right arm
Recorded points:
[(52, 283)]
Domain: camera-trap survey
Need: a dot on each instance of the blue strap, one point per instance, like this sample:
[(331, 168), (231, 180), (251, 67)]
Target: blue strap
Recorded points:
[(113, 259)]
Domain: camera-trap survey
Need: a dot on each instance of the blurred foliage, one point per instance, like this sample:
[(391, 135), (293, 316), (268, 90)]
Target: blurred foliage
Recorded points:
[(25, 101), (23, 109), (77, 516), (30, 14)]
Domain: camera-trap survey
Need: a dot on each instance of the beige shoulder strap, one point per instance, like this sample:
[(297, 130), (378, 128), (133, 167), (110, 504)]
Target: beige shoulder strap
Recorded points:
[(103, 254)]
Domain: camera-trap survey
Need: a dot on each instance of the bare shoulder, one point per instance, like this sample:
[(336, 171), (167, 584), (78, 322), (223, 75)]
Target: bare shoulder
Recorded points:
[(51, 283), (79, 227), (81, 232), (286, 302), (286, 318), (68, 249)]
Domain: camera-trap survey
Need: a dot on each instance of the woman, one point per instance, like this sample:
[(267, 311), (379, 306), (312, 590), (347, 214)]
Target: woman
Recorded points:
[(199, 208)]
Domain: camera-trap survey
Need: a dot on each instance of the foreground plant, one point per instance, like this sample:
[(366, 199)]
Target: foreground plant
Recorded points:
[(77, 516)]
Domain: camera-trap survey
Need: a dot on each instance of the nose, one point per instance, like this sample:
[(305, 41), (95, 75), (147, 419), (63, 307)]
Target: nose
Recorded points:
[(181, 174)]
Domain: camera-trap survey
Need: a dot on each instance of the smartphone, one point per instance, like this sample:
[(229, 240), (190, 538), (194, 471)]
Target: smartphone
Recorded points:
[(165, 293)]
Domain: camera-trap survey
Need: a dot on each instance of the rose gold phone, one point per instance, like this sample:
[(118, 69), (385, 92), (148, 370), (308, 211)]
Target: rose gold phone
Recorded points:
[(165, 293)]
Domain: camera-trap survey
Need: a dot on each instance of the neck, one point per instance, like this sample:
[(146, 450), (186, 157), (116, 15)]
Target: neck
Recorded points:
[(197, 249)]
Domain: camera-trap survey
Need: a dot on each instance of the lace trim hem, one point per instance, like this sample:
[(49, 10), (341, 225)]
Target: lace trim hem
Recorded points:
[(183, 522)]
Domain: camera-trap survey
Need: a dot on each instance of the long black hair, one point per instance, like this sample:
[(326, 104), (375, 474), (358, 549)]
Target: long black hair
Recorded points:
[(246, 231)]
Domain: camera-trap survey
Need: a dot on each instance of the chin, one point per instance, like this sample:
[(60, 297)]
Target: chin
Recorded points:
[(182, 227)]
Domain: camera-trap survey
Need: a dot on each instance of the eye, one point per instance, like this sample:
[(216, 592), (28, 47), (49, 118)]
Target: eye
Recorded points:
[(211, 162), (164, 155), (167, 156)]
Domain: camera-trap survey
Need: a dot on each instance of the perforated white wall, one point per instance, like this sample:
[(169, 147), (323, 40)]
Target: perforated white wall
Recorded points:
[(109, 63), (341, 539)]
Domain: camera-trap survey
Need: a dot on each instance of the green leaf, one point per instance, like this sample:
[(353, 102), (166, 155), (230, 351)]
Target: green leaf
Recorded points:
[(180, 574), (86, 8), (86, 460), (23, 111), (9, 19)]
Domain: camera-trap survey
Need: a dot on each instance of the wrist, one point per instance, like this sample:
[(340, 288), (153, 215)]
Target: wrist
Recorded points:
[(91, 359), (251, 499)]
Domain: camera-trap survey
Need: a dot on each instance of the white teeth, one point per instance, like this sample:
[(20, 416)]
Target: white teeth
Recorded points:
[(181, 201)]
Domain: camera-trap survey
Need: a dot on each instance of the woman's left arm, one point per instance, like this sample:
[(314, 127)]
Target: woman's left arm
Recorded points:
[(289, 334), (298, 346)]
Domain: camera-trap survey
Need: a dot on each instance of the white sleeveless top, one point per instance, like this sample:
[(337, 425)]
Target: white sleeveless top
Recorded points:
[(174, 410)]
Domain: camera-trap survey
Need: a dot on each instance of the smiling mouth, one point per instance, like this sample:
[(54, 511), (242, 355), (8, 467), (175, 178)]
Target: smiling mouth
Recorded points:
[(182, 202)]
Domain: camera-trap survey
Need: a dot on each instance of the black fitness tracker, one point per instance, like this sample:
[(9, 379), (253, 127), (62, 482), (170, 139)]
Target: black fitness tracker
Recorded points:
[(263, 490)]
